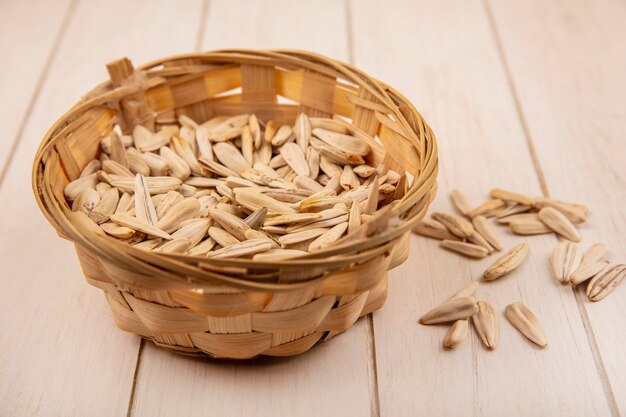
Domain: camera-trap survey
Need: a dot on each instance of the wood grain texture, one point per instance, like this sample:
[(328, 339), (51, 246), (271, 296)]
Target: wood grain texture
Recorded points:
[(446, 61), (331, 379), (61, 352), (568, 68), (173, 385), (29, 31)]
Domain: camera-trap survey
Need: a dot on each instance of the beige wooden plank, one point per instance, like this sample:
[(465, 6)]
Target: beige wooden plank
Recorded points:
[(442, 55), (313, 25), (331, 379), (29, 30), (61, 353), (568, 68)]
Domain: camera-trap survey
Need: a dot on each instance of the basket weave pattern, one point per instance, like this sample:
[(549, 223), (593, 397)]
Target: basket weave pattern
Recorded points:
[(237, 308)]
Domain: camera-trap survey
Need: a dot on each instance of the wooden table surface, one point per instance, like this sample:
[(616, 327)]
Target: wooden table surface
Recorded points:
[(528, 95)]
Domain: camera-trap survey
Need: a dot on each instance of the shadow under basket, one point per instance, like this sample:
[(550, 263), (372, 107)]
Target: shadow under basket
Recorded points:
[(239, 308)]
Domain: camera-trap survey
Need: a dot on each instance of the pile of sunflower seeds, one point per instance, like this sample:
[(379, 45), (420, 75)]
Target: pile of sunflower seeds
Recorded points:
[(235, 187)]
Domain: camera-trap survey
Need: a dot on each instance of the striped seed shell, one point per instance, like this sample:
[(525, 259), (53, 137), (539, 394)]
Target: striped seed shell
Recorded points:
[(487, 209), (118, 150), (482, 226), (329, 124), (329, 237), (313, 161), (247, 144), (308, 183), (86, 201), (294, 156), (510, 196), (354, 217), (175, 246), (148, 244), (249, 247), (507, 263), (75, 187), (464, 248), (265, 178), (216, 167), (457, 225), (256, 218), (345, 143), (230, 157), (147, 141), (594, 254), (91, 168), (126, 202), (528, 225), (558, 222), (317, 204), (461, 202), (274, 255), (468, 291), (349, 180), (292, 218), (232, 224), (456, 334), (477, 239), (157, 164), (137, 165), (486, 324), (106, 206), (576, 213), (144, 208), (131, 222), (254, 200), (297, 237), (222, 237), (177, 166), (171, 198), (523, 319), (113, 167), (184, 210), (282, 135), (329, 167), (193, 230), (565, 259), (202, 248), (257, 234), (605, 282), (156, 185), (510, 210), (115, 230), (451, 310), (432, 228), (372, 197), (583, 273), (184, 150), (364, 171), (255, 130), (302, 130)]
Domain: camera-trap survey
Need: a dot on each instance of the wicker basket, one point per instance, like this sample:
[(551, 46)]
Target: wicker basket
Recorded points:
[(237, 308)]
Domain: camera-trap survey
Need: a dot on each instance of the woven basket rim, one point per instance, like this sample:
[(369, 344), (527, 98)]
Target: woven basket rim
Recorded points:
[(412, 205)]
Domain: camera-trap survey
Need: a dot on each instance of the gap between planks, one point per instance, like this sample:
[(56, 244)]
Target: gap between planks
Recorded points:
[(591, 338), (372, 367), (204, 14), (67, 17), (131, 398)]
